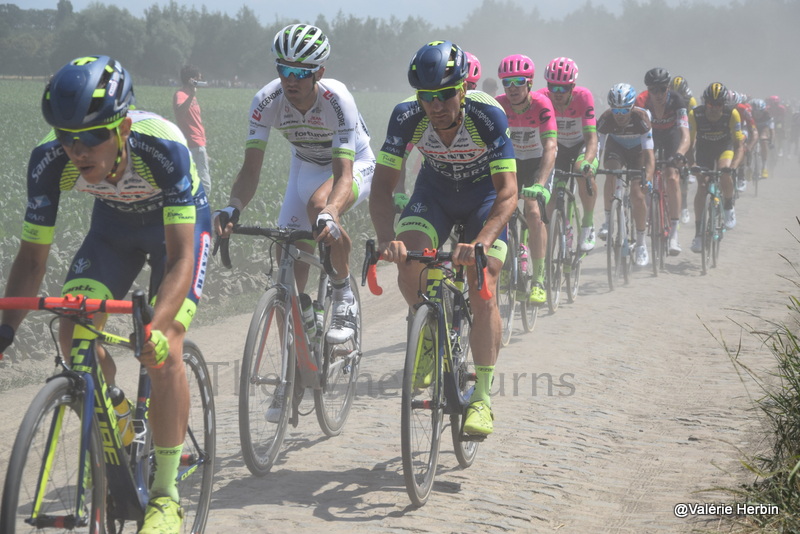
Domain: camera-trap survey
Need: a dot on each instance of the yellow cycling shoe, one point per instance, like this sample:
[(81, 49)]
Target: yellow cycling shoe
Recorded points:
[(479, 419), (764, 174), (538, 294), (423, 368), (163, 516)]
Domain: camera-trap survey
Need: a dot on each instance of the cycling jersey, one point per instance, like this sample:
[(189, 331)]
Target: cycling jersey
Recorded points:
[(638, 131), (666, 128), (160, 174), (531, 127), (763, 120), (712, 139), (576, 119), (454, 183), (746, 116)]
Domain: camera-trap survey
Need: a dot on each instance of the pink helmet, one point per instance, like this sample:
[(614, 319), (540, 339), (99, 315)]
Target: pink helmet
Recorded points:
[(516, 65), (473, 68), (774, 99), (561, 71)]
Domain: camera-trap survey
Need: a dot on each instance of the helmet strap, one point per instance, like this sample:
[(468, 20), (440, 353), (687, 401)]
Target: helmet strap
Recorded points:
[(113, 173)]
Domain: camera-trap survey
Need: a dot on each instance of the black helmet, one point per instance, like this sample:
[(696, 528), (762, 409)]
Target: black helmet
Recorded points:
[(681, 86), (656, 76), (87, 92), (437, 64), (716, 93)]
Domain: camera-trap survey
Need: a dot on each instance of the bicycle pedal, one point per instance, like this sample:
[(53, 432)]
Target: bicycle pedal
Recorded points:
[(473, 437)]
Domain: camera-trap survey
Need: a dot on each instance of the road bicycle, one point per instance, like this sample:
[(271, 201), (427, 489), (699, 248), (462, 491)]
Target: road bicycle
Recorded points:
[(516, 277), (712, 223), (285, 354), (660, 224), (621, 227), (438, 375), (756, 164), (564, 256), (69, 469)]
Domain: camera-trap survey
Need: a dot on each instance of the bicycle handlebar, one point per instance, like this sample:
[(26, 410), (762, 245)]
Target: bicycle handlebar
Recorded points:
[(572, 174), (278, 234), (369, 272), (80, 307)]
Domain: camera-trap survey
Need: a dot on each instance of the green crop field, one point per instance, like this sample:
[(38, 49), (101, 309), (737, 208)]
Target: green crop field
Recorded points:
[(225, 116)]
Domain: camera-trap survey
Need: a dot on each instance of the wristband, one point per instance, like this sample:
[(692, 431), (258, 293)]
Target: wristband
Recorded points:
[(236, 203)]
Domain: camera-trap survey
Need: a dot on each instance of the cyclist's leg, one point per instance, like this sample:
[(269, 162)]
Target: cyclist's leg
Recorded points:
[(704, 159), (613, 159), (537, 231)]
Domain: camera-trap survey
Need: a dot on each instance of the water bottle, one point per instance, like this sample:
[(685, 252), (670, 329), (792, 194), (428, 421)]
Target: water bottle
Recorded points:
[(122, 407), (569, 237), (309, 318), (523, 258)]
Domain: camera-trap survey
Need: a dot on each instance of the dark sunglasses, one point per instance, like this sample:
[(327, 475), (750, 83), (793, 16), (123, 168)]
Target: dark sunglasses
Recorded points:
[(516, 81), (559, 88), (620, 111), (658, 89), (300, 73), (445, 93), (91, 137)]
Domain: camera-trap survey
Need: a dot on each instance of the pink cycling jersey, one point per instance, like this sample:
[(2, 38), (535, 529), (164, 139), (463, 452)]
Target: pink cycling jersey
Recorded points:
[(576, 119), (531, 127)]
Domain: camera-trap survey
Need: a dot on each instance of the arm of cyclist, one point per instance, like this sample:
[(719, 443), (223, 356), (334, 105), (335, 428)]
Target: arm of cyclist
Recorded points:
[(505, 183), (242, 191), (649, 160), (381, 210), (587, 163), (337, 201), (24, 280)]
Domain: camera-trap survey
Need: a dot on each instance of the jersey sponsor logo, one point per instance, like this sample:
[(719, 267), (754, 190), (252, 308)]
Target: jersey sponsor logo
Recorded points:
[(403, 117), (49, 156), (544, 115), (166, 163), (418, 207), (202, 264), (330, 97), (38, 202), (80, 265), (484, 118), (264, 103), (80, 289), (35, 218), (589, 113)]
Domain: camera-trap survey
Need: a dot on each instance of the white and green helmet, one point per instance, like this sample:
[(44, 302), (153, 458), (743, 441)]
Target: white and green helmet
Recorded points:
[(302, 43)]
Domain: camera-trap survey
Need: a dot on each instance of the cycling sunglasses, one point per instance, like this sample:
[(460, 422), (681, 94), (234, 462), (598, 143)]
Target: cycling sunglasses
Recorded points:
[(301, 73), (445, 93), (658, 89), (515, 81), (620, 111), (89, 137), (559, 88)]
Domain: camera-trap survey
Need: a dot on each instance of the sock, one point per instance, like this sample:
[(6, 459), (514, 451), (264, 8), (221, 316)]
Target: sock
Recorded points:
[(483, 384), (168, 460), (639, 238), (588, 219), (728, 203), (673, 231), (608, 216), (342, 290), (539, 270)]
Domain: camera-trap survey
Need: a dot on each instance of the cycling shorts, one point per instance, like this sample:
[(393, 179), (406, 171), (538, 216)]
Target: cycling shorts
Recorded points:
[(434, 211), (526, 173), (304, 180), (667, 141), (567, 155), (117, 246), (631, 158), (708, 156)]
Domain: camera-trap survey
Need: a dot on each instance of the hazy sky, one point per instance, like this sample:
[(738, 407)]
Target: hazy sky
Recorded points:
[(438, 12)]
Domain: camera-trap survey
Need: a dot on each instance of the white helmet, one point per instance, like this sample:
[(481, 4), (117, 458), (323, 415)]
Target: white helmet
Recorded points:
[(302, 43)]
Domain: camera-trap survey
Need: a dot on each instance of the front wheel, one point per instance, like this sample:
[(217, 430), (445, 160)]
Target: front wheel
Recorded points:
[(572, 267), (266, 383), (506, 297), (48, 445), (464, 375), (556, 242), (421, 410), (614, 244), (707, 233), (198, 459), (339, 375), (656, 232)]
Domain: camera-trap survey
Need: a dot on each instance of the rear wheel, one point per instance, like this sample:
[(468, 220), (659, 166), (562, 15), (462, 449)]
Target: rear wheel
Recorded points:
[(464, 374), (656, 231), (614, 245), (707, 233), (573, 254), (421, 410), (266, 384)]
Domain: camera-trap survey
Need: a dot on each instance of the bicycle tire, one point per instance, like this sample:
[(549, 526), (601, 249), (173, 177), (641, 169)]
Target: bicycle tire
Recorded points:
[(706, 233), (338, 375), (528, 311), (719, 231), (464, 374), (613, 245), (506, 290), (264, 379), (421, 411), (198, 459), (628, 238), (666, 229), (29, 456), (555, 254), (656, 231), (573, 258)]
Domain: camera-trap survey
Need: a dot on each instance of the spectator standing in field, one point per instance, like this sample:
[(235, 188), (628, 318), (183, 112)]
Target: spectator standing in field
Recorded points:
[(188, 119)]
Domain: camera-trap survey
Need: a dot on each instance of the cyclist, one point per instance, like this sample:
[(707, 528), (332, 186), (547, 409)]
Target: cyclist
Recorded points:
[(681, 86), (473, 71), (670, 135), (475, 185), (779, 116), (577, 135), (749, 131), (331, 166), (150, 206), (717, 139), (766, 131), (534, 136), (627, 142)]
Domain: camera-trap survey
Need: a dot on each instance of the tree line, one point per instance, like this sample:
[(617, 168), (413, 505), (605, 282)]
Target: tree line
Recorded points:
[(744, 44)]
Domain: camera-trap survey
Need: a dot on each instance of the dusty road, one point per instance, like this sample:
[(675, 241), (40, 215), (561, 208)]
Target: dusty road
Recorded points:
[(610, 413)]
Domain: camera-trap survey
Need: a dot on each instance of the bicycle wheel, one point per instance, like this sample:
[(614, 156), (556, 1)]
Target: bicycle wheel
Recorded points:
[(656, 231), (528, 310), (666, 229), (266, 383), (719, 231), (614, 244), (629, 236), (707, 233), (506, 297), (198, 459), (554, 260), (572, 257), (421, 411), (48, 444), (464, 374), (338, 375)]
